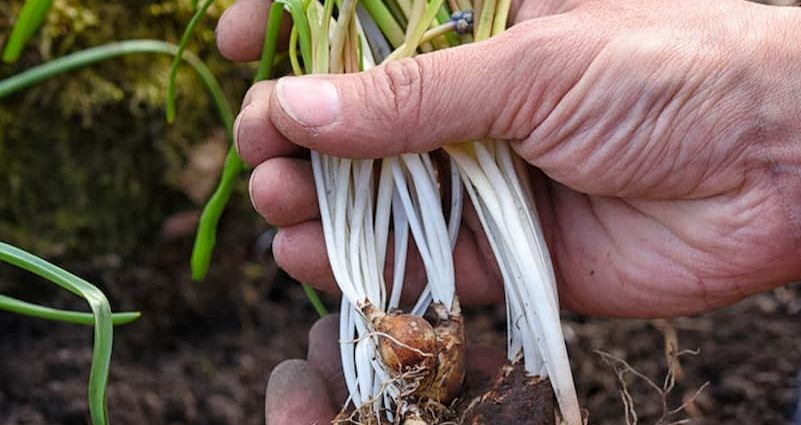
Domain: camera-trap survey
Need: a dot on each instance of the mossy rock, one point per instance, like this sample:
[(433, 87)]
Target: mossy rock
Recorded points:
[(88, 165)]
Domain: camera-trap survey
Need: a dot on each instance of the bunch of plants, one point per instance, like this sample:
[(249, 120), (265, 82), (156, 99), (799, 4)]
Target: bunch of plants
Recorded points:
[(403, 364)]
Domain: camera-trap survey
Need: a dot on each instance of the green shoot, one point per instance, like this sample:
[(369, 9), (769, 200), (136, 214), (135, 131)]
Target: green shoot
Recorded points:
[(199, 13), (301, 25), (383, 17), (270, 46), (79, 318), (416, 33), (293, 52), (501, 16), (31, 16), (206, 237), (485, 20), (101, 312), (317, 303), (87, 57)]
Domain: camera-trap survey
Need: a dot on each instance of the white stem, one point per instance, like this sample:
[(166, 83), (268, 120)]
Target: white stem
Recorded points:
[(411, 214), (435, 232), (321, 173), (529, 282), (383, 211), (457, 201), (423, 302), (401, 228), (347, 334)]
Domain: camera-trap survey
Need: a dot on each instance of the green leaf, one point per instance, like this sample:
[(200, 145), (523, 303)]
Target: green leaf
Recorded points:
[(270, 44), (199, 13), (30, 18), (206, 236), (315, 300), (298, 12), (101, 312), (383, 17), (87, 57), (14, 305)]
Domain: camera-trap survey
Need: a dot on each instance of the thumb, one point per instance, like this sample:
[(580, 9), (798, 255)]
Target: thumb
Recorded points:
[(487, 89)]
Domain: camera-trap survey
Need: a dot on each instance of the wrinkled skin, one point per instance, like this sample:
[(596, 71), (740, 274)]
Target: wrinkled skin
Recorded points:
[(664, 138)]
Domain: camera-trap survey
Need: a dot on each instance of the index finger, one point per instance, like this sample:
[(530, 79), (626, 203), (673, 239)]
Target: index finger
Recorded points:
[(240, 32)]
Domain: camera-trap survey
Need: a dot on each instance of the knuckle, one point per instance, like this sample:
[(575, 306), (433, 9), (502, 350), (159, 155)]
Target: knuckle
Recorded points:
[(404, 83), (400, 86)]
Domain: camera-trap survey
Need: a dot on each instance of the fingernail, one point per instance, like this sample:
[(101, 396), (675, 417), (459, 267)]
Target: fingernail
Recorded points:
[(236, 131), (311, 101)]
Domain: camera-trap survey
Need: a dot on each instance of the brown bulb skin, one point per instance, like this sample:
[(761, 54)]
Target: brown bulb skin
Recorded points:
[(409, 343), (449, 377)]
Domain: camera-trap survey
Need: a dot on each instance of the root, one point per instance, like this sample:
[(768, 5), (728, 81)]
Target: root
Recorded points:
[(621, 368)]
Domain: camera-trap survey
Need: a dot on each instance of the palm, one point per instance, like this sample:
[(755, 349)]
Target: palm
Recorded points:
[(648, 258), (656, 193)]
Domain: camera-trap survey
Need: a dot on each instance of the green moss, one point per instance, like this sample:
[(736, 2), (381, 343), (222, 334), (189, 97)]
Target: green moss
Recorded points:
[(87, 162)]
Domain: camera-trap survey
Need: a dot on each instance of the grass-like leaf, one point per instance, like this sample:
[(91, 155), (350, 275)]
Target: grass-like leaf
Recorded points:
[(199, 13), (14, 305), (102, 322), (30, 17), (206, 236), (383, 17), (104, 52), (297, 10)]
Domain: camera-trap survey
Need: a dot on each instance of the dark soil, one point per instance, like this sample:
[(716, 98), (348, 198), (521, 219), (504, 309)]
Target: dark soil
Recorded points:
[(512, 398), (202, 353)]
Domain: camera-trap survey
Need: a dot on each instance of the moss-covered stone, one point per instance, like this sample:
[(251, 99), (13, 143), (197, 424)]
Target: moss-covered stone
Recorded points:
[(88, 165)]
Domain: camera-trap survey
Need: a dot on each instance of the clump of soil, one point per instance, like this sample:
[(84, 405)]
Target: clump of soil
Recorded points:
[(513, 398)]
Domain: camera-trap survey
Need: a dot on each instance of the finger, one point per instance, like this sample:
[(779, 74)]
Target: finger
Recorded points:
[(297, 395), (324, 355), (300, 251), (499, 88), (282, 191), (256, 137), (240, 31)]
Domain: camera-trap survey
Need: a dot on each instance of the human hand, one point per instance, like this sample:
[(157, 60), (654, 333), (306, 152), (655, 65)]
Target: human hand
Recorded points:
[(312, 391), (667, 137)]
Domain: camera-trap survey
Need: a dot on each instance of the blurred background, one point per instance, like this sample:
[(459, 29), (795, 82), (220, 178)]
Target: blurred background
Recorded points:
[(94, 179)]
